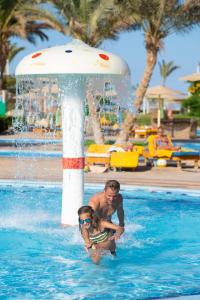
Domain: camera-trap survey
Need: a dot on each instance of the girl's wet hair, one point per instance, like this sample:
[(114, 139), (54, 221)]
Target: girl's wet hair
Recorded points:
[(88, 209)]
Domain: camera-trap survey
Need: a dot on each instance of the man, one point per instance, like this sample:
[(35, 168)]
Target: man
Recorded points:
[(106, 203)]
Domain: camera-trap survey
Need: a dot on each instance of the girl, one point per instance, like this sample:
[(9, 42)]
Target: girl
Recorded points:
[(96, 233)]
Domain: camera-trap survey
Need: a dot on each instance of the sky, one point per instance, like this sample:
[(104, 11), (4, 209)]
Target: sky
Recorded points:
[(182, 49)]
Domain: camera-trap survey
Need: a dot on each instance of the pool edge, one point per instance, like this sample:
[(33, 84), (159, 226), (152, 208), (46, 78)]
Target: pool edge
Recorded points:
[(94, 185)]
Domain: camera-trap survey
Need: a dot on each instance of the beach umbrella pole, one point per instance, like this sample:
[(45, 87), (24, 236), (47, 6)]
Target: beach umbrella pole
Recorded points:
[(158, 118)]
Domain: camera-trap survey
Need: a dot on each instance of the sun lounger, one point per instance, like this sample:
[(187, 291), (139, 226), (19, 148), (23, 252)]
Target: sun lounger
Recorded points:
[(98, 155), (186, 155), (178, 156), (113, 156), (142, 132), (97, 159)]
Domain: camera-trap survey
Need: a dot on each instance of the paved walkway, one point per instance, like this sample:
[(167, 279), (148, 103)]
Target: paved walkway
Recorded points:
[(50, 169)]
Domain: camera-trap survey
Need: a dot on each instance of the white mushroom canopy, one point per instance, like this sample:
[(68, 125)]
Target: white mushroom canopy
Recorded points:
[(73, 58)]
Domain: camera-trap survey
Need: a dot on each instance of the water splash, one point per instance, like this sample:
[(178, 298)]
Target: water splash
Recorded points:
[(38, 111)]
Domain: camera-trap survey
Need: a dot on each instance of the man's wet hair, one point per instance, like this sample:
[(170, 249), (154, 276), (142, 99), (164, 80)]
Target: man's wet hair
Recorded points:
[(113, 185)]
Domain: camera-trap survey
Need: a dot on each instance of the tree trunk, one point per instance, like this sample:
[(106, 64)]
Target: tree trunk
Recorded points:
[(4, 49), (1, 83), (126, 129), (2, 67), (98, 135), (151, 60)]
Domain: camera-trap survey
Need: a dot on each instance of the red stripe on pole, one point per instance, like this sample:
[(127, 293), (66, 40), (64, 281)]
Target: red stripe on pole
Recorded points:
[(73, 163)]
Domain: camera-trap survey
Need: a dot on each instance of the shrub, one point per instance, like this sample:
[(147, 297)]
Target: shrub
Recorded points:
[(188, 117), (5, 123), (193, 105), (87, 143), (143, 119), (194, 88)]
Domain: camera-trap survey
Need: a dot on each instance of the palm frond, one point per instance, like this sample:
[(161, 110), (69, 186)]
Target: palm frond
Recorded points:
[(13, 51)]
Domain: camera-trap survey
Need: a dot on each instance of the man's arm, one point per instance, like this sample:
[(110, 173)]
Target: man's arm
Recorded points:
[(120, 213), (119, 230)]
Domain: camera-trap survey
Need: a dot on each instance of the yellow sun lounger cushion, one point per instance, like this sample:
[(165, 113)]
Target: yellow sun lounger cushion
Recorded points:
[(113, 155), (138, 149), (160, 152), (124, 159), (97, 154), (97, 159), (98, 148)]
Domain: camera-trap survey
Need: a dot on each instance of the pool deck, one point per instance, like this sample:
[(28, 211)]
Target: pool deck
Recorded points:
[(50, 170)]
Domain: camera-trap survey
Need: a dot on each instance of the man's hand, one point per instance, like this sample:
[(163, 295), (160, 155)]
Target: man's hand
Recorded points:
[(118, 234), (121, 230)]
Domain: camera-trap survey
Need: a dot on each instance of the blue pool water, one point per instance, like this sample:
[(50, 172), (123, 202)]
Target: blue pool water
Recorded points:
[(58, 154), (193, 146), (27, 141), (157, 257), (30, 154)]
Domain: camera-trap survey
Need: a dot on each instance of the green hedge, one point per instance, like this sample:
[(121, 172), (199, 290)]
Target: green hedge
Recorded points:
[(142, 119), (5, 123), (87, 143), (186, 117)]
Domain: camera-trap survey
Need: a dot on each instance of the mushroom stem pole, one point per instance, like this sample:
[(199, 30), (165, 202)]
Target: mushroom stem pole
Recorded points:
[(73, 150)]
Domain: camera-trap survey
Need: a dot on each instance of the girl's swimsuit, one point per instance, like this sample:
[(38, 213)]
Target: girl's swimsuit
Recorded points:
[(99, 237)]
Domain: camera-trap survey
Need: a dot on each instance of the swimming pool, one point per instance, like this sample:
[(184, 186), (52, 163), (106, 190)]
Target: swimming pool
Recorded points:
[(30, 154), (158, 255), (26, 141), (58, 154), (194, 146)]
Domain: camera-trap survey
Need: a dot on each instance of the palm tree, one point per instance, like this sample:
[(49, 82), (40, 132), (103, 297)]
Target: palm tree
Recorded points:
[(158, 19), (13, 51), (24, 19), (166, 69), (91, 21)]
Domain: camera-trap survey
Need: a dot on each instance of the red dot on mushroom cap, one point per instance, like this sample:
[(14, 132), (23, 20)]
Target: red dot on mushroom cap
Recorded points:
[(104, 56), (36, 54)]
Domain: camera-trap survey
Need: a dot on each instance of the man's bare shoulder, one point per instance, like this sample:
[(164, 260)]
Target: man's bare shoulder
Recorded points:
[(96, 198)]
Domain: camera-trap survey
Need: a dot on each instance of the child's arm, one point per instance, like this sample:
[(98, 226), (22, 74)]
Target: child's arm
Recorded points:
[(119, 230), (85, 236)]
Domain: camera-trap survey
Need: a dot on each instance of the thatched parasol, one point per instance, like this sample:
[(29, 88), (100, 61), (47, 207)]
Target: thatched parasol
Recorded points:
[(162, 93), (192, 77)]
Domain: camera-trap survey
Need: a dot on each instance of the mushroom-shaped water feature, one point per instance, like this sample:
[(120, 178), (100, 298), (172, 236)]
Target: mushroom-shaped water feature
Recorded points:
[(70, 66)]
